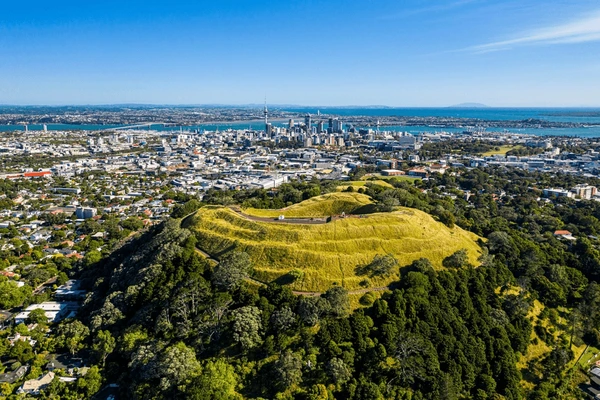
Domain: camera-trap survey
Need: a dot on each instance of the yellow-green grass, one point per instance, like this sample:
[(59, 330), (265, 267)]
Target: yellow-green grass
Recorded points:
[(389, 178), (358, 184), (588, 359), (320, 206), (328, 254), (538, 349), (502, 150), (534, 351)]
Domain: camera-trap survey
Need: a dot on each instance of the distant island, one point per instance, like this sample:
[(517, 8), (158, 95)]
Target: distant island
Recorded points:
[(469, 105)]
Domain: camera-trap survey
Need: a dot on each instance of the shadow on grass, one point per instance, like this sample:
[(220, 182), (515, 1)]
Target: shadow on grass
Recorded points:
[(286, 279), (366, 209)]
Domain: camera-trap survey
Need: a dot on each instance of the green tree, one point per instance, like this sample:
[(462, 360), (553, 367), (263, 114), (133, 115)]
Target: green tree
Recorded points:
[(456, 260), (283, 319), (247, 326), (382, 265), (231, 271), (310, 309), (37, 316), (71, 335), (92, 257), (288, 370), (338, 370), (11, 295), (132, 224), (218, 380), (91, 383), (178, 366), (104, 344), (338, 300)]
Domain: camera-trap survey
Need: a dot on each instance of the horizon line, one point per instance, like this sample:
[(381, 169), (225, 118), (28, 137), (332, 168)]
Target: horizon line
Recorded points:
[(461, 105)]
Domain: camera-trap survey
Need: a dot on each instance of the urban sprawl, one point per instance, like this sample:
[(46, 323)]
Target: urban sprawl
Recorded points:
[(69, 194)]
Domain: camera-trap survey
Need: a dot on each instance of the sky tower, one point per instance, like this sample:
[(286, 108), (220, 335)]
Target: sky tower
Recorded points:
[(266, 113), (268, 127)]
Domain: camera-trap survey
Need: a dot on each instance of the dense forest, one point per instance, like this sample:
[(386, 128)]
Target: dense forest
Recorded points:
[(164, 322)]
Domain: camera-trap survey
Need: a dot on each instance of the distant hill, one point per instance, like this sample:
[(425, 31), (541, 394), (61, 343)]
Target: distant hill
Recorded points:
[(469, 105)]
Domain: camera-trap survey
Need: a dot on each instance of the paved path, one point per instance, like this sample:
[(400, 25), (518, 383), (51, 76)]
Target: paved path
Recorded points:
[(271, 220)]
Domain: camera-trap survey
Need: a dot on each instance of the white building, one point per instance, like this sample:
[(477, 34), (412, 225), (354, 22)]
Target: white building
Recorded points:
[(54, 311), (557, 193), (584, 191)]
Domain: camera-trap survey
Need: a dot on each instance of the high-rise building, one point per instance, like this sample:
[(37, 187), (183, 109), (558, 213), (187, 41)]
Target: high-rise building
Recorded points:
[(291, 123), (338, 126), (320, 127), (308, 123)]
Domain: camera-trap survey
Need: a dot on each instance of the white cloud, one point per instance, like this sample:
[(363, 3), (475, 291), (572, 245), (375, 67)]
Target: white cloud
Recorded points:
[(583, 30)]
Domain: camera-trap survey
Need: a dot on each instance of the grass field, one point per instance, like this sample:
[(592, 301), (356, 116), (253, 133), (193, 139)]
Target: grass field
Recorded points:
[(358, 184), (502, 151), (328, 254), (321, 206)]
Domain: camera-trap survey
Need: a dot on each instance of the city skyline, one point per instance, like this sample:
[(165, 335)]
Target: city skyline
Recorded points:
[(434, 54)]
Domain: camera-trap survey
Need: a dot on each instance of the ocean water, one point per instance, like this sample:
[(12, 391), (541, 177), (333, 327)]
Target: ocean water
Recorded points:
[(580, 115), (573, 115)]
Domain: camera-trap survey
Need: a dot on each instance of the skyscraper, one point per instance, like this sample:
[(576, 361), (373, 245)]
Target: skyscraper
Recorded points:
[(308, 123)]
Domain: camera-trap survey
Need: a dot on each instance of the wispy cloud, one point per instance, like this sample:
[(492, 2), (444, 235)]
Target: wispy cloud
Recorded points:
[(430, 9), (586, 29)]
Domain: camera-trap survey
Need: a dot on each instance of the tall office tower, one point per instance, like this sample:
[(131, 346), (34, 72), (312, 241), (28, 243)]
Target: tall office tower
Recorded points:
[(308, 124), (320, 127), (291, 123), (335, 126)]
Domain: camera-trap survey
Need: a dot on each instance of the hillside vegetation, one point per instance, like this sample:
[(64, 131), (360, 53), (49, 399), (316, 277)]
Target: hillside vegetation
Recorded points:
[(329, 254), (359, 184), (321, 206)]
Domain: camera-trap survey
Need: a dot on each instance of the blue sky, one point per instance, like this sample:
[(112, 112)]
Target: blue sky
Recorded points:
[(307, 52)]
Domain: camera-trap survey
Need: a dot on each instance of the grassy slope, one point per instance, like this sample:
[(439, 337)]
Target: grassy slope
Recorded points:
[(358, 184), (502, 152), (329, 253), (537, 351), (321, 206)]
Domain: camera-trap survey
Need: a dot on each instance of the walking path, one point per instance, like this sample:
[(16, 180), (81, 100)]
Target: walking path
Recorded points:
[(303, 221)]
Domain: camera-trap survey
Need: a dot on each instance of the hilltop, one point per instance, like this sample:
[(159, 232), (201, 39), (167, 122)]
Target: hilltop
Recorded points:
[(328, 254), (321, 206)]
